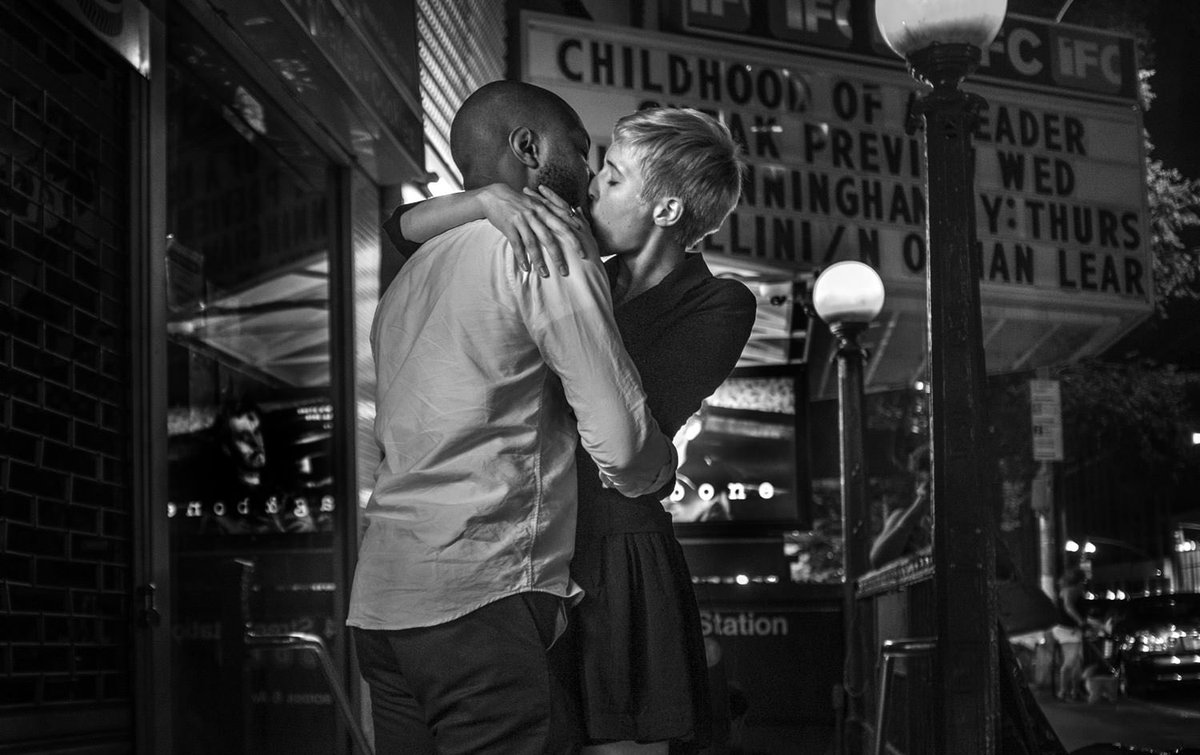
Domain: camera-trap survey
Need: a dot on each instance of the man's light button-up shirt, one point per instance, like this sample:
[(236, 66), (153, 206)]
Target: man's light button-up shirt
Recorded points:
[(486, 379)]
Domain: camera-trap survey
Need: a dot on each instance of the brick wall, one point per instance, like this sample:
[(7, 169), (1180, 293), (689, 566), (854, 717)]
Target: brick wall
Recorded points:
[(65, 523)]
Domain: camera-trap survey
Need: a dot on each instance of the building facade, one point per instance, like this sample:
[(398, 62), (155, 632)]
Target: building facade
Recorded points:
[(190, 258), (194, 192)]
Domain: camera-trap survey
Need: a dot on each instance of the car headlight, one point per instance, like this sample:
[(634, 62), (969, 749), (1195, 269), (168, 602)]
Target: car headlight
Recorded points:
[(1163, 641)]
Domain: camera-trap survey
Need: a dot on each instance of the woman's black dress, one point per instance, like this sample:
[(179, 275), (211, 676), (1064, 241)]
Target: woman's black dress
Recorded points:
[(636, 634)]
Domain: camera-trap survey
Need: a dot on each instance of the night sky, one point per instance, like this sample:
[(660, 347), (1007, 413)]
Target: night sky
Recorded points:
[(1173, 120), (1173, 28)]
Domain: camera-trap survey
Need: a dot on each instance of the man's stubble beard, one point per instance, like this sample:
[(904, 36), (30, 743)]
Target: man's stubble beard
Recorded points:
[(563, 182), (560, 180)]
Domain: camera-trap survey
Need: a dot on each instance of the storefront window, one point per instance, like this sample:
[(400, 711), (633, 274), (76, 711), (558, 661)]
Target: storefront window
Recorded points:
[(744, 482), (251, 478), (738, 456)]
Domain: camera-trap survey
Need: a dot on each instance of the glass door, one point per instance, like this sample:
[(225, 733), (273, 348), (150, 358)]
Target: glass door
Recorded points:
[(252, 509)]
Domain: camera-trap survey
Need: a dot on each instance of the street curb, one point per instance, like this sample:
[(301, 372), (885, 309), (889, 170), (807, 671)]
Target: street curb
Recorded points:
[(1130, 702), (1181, 712)]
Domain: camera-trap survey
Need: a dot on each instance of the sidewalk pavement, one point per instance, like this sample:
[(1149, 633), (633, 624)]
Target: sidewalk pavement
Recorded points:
[(1130, 722)]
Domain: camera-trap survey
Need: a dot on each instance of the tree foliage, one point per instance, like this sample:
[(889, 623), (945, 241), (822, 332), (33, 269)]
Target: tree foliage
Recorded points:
[(1133, 407), (1173, 213), (1132, 411), (1132, 400)]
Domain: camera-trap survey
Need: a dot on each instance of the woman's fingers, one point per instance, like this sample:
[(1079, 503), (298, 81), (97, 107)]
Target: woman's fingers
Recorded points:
[(545, 240), (558, 207), (520, 241), (543, 231), (587, 241), (545, 250), (563, 239), (557, 234), (553, 198), (575, 234)]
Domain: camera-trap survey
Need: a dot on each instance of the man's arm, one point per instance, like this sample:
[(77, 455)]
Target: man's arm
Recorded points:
[(571, 320), (892, 540), (1071, 607)]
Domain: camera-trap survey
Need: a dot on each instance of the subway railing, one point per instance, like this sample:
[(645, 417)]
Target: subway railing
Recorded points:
[(896, 603)]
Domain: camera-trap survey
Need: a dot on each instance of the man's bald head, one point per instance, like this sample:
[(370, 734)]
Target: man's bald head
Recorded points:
[(519, 134)]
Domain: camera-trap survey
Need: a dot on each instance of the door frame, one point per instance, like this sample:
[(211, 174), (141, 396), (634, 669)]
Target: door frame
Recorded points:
[(152, 723)]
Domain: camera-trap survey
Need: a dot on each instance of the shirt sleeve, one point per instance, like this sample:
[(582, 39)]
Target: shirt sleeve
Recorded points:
[(571, 321)]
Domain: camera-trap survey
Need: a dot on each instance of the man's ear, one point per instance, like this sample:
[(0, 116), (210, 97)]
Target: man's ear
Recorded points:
[(523, 143), (668, 211)]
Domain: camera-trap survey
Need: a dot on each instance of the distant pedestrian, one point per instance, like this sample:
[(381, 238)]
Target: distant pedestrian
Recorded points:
[(1069, 634), (909, 529)]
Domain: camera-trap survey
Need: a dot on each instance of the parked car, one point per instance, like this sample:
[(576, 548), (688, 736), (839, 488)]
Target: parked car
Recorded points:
[(1155, 641)]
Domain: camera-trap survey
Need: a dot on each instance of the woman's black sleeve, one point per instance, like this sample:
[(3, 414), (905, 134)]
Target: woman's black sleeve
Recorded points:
[(391, 227)]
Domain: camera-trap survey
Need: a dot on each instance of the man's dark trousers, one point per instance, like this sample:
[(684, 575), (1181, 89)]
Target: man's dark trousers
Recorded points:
[(481, 683)]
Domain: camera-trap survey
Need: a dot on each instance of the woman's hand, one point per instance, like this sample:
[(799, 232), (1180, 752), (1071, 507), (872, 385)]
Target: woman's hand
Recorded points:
[(536, 232), (575, 218)]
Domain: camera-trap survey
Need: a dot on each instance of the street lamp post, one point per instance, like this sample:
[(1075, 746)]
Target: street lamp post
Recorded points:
[(847, 296), (942, 41)]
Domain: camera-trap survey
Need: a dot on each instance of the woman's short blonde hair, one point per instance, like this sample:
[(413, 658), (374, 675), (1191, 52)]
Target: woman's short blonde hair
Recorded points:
[(690, 155)]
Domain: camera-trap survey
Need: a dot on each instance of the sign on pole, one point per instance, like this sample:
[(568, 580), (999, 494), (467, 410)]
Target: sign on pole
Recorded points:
[(1045, 406)]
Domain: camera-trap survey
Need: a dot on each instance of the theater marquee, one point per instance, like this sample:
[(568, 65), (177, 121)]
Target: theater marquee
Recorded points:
[(1060, 179)]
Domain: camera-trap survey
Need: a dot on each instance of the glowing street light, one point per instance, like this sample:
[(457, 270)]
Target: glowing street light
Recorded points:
[(847, 296)]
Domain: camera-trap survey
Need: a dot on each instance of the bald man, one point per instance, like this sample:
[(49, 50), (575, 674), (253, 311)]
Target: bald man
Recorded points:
[(491, 113), (486, 376)]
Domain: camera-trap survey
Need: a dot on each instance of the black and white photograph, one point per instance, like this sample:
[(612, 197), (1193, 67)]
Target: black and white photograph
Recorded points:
[(600, 377)]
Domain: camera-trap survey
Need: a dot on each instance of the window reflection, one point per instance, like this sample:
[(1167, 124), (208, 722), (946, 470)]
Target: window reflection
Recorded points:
[(251, 472), (248, 296), (737, 455)]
